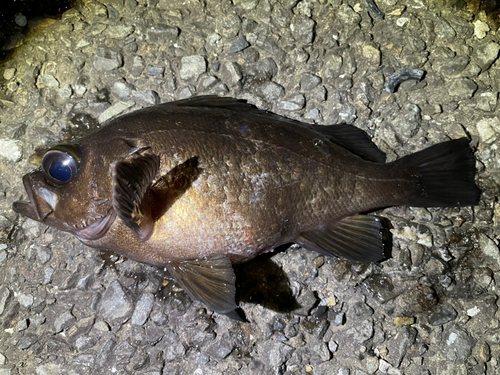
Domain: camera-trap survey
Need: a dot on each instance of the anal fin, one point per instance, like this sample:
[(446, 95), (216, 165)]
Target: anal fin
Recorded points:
[(357, 238), (208, 280)]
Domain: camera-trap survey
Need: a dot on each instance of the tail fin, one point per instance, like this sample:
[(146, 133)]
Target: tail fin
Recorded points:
[(445, 173)]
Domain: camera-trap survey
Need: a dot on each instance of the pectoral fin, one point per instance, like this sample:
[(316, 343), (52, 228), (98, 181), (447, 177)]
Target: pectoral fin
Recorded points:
[(208, 280), (131, 199), (357, 238)]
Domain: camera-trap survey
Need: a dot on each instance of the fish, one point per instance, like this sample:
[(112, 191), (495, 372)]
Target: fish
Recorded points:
[(200, 184)]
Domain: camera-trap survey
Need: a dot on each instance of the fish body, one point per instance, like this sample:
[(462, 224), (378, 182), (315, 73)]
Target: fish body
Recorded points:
[(200, 184)]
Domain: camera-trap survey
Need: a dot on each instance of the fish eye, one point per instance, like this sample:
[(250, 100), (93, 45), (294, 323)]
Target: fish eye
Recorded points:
[(61, 163)]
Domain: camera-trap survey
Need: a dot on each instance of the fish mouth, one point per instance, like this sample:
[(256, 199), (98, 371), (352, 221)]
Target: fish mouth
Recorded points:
[(38, 206)]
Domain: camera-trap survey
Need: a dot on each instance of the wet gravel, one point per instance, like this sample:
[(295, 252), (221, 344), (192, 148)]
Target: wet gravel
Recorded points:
[(431, 308)]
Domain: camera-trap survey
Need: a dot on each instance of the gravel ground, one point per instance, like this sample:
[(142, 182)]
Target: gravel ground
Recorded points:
[(432, 308)]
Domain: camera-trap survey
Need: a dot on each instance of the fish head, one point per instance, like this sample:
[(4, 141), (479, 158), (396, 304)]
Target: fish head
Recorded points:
[(71, 191)]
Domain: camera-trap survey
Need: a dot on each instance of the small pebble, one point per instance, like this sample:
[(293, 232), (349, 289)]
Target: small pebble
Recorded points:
[(400, 321), (20, 20), (239, 45), (22, 325)]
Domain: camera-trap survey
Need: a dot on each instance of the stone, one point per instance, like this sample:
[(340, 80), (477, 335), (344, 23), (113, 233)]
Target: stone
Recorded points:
[(480, 29), (50, 369), (104, 356), (408, 122), (26, 341), (4, 298), (352, 338), (9, 73), (162, 33), (488, 128), (400, 321), (22, 325), (462, 88), (294, 102), (156, 71), (46, 81), (371, 364), (143, 309), (26, 300), (118, 31), (271, 91), (64, 321), (359, 310), (239, 45), (185, 93), (487, 101), (214, 39), (372, 55), (115, 305), (192, 67), (231, 73), (121, 89), (20, 20), (400, 344), (274, 353), (386, 368), (115, 110), (221, 347), (486, 54), (302, 28), (137, 66), (83, 343), (43, 254), (246, 4), (147, 97), (264, 69), (489, 248), (65, 92), (313, 114), (306, 300), (453, 66), (482, 351), (107, 60), (102, 326), (442, 314), (2, 359), (456, 344), (309, 81), (11, 149)]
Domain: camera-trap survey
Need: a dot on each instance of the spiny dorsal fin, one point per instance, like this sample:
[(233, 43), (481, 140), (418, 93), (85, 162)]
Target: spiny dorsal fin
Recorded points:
[(347, 136), (208, 280), (357, 238), (132, 180), (352, 139)]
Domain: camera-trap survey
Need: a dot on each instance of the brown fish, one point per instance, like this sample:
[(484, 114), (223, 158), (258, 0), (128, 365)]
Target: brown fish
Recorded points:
[(198, 184)]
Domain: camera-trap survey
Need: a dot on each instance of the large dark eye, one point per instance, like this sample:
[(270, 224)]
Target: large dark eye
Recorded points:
[(61, 163)]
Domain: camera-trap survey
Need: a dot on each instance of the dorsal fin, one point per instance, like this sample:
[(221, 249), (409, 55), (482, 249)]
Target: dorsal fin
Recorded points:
[(347, 136), (352, 139)]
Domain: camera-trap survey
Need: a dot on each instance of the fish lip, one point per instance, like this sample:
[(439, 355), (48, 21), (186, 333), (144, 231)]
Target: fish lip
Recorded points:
[(28, 207)]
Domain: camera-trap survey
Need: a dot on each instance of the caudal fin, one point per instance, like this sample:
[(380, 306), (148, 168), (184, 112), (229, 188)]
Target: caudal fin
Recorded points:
[(444, 175)]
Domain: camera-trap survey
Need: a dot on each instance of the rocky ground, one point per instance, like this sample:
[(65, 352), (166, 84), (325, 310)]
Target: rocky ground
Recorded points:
[(432, 308)]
